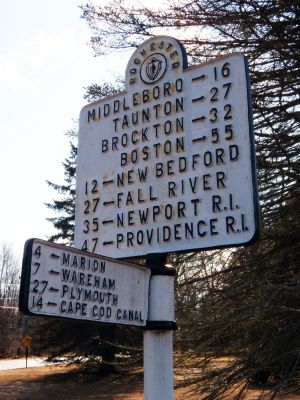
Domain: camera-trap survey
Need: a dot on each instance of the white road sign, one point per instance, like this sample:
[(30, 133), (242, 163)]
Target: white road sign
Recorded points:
[(64, 282), (168, 165)]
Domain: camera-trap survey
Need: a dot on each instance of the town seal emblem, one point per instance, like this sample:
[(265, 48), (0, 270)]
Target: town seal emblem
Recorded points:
[(153, 68)]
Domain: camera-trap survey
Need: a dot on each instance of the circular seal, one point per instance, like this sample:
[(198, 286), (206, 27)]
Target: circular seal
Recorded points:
[(153, 68)]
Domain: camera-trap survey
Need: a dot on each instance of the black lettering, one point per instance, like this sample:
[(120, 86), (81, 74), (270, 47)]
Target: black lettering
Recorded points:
[(214, 91), (134, 156), (227, 86), (230, 222), (171, 189), (146, 153), (104, 148), (177, 235), (94, 311), (124, 159), (144, 136), (120, 239), (212, 224), (167, 87), (66, 259), (65, 274), (168, 211), (166, 233), (155, 212), (106, 110), (208, 159), (140, 197), (135, 118), (130, 176), (151, 196), (179, 125), (136, 99), (116, 121), (140, 237), (143, 215), (180, 209), (233, 152), (130, 239), (228, 112), (159, 170), (195, 203), (142, 174), (216, 201), (219, 156), (168, 128), (179, 85), (156, 92), (195, 161), (63, 305), (114, 143), (168, 108), (179, 144), (170, 166), (91, 115), (199, 228), (179, 105), (116, 106), (206, 185), (182, 164), (130, 217), (220, 180), (244, 227), (125, 123), (146, 97), (167, 147)]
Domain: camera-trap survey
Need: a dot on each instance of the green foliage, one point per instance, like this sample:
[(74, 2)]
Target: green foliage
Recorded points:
[(248, 313), (91, 346), (65, 205)]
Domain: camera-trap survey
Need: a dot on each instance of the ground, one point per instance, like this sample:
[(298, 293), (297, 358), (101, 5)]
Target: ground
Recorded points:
[(63, 383)]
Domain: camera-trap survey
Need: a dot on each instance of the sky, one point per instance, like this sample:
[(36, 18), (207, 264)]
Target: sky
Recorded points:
[(45, 64)]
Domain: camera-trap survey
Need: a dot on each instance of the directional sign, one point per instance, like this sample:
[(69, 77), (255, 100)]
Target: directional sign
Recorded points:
[(64, 282), (168, 165)]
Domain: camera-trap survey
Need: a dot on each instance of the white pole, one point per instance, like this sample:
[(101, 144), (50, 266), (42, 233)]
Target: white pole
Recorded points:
[(158, 339)]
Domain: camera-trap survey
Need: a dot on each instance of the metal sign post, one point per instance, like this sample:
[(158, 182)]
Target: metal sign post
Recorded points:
[(158, 335), (26, 341)]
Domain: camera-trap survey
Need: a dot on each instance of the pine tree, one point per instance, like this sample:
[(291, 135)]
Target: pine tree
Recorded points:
[(65, 205)]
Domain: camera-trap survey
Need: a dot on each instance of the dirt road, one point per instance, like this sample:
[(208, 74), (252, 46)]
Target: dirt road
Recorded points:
[(62, 383)]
